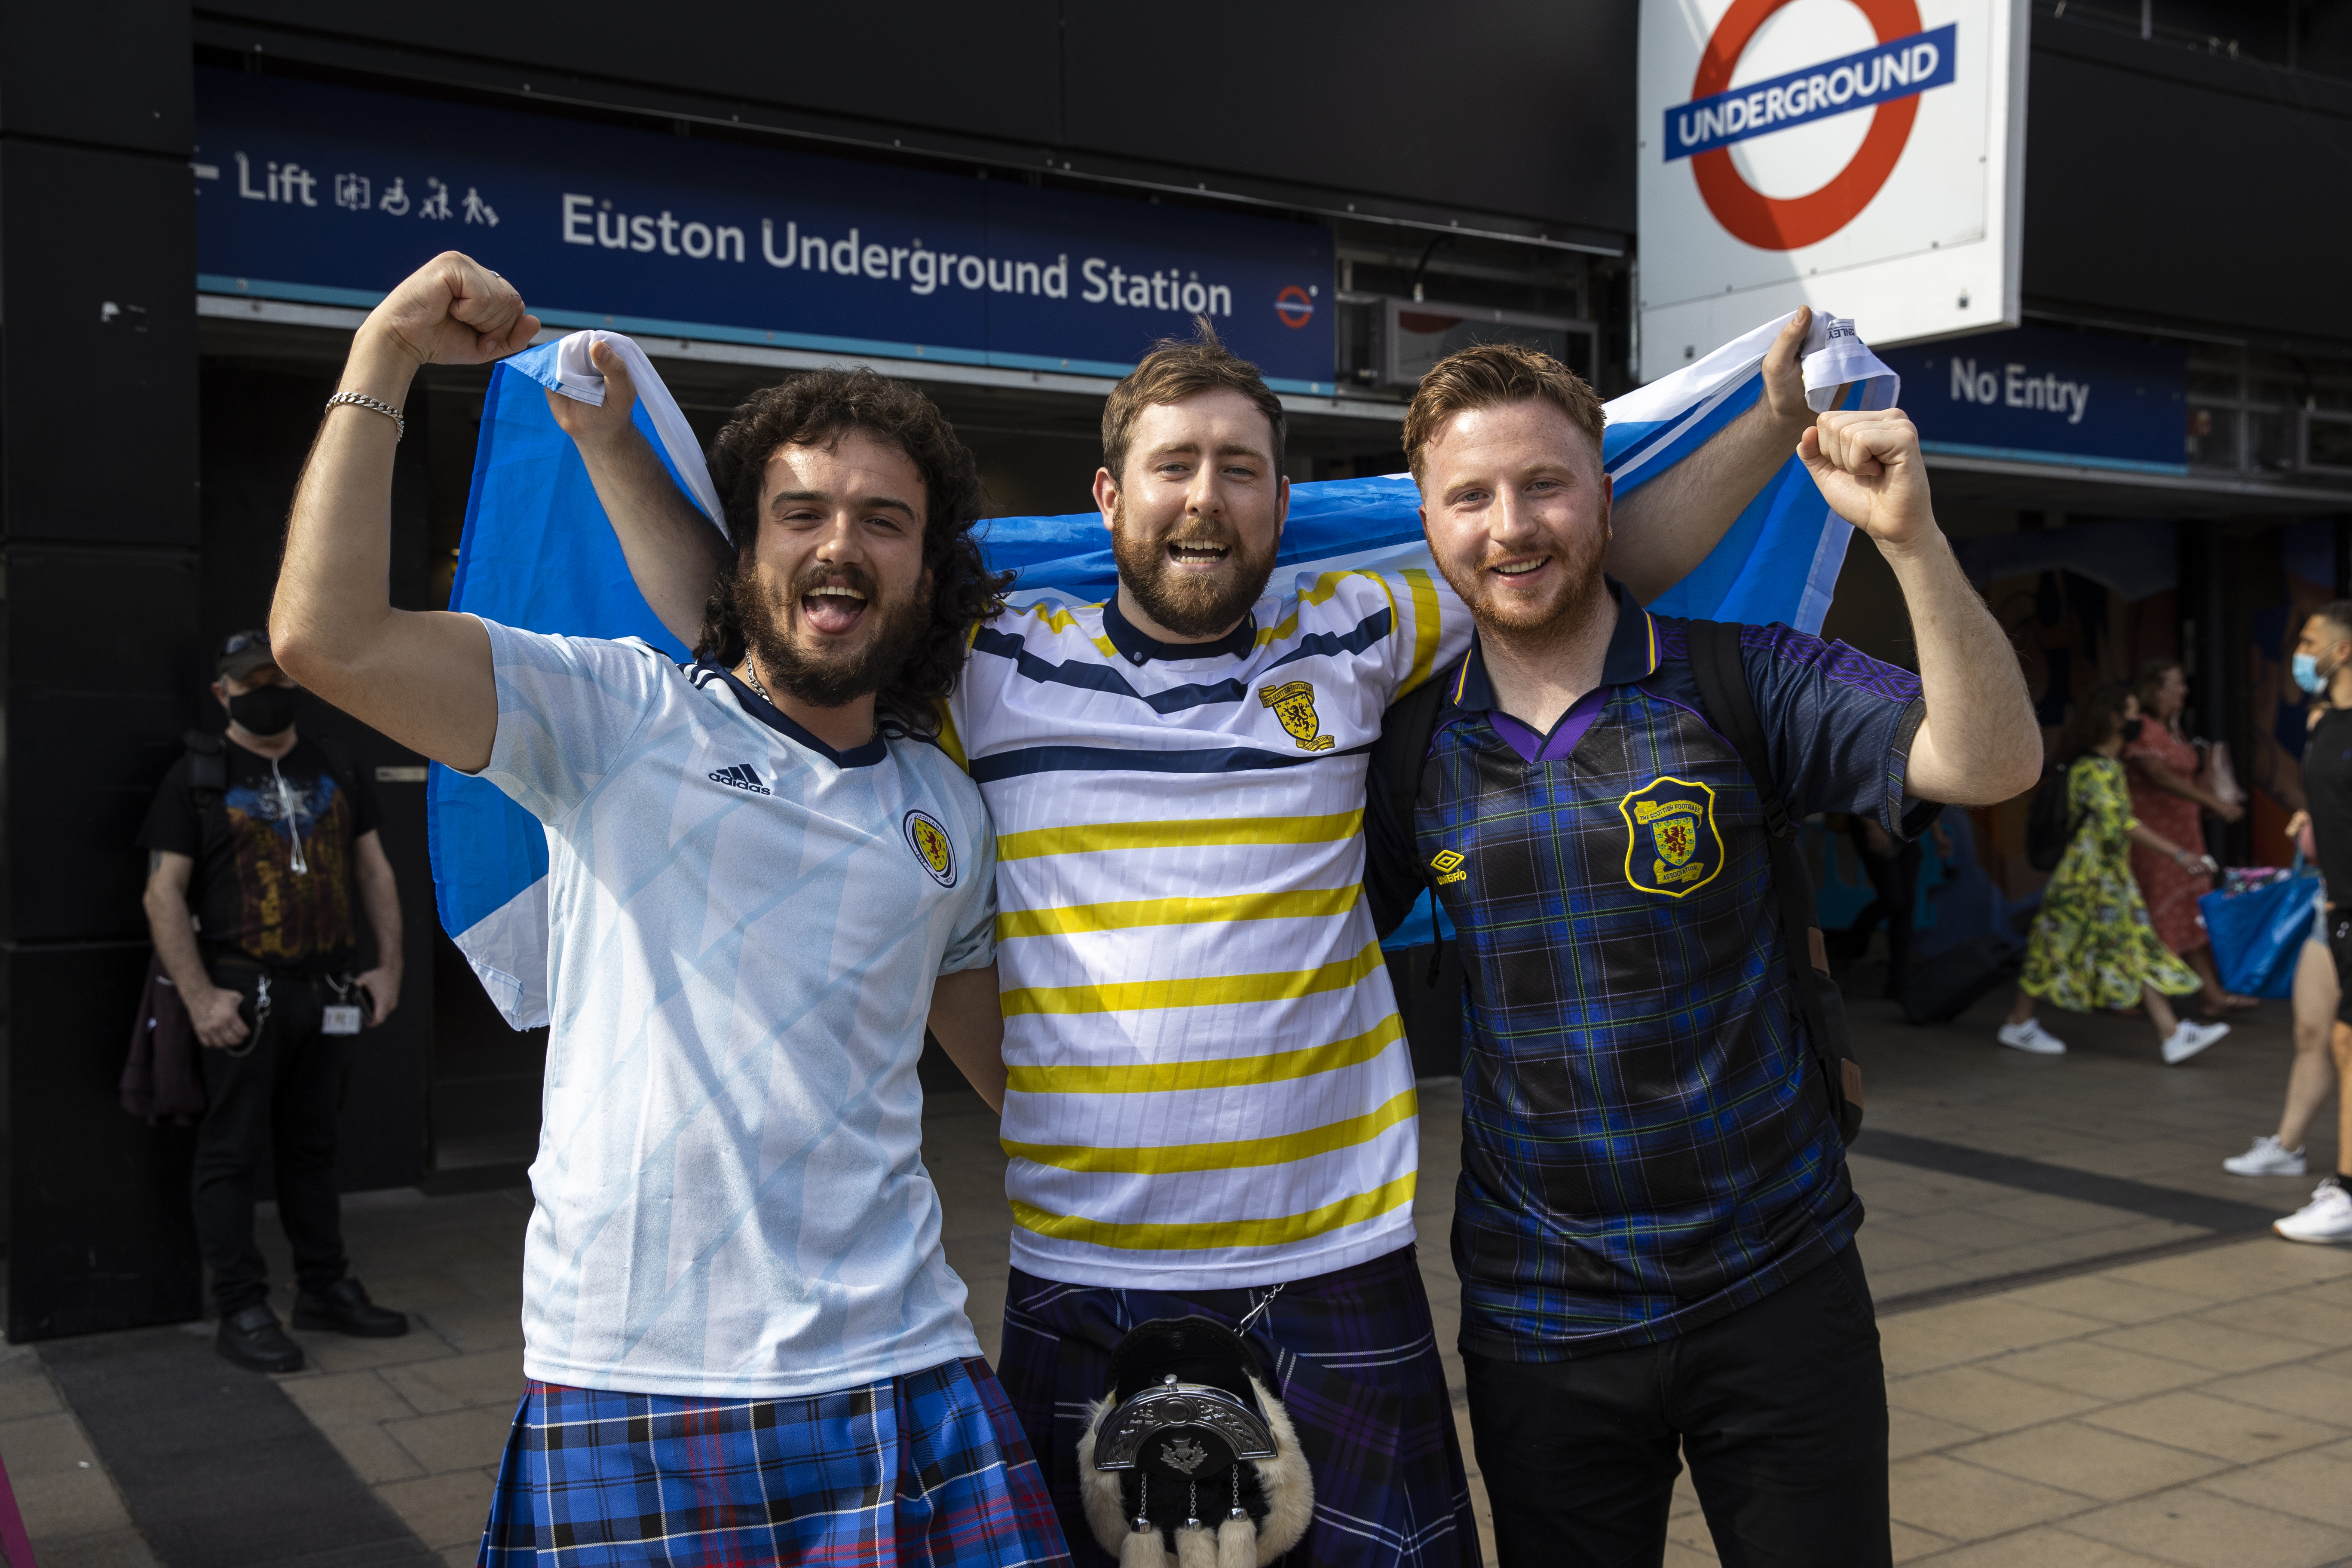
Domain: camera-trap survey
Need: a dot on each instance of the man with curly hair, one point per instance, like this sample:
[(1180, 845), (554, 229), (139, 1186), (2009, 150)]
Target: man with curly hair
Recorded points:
[(742, 1340)]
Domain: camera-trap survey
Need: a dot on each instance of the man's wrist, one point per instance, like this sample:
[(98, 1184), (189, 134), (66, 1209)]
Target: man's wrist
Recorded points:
[(381, 365)]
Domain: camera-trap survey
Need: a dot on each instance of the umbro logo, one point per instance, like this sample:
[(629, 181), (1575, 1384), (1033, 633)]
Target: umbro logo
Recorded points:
[(741, 777)]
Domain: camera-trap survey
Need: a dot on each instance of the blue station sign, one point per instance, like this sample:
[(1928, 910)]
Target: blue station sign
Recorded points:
[(2038, 394), (331, 194)]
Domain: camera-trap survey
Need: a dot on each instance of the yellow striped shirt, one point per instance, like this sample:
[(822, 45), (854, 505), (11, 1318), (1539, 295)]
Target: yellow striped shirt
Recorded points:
[(1208, 1083)]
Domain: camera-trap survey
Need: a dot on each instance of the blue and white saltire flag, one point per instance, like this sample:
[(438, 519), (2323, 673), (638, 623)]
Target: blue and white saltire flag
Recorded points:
[(540, 554)]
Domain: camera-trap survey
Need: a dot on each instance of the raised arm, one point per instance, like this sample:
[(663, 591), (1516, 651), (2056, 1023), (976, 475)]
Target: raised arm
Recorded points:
[(1667, 526), (424, 678), (1979, 742), (673, 552)]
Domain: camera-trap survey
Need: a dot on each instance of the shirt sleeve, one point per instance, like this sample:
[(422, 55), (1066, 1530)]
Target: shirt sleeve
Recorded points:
[(974, 945), (568, 709), (172, 822), (1431, 627), (1839, 725), (367, 813)]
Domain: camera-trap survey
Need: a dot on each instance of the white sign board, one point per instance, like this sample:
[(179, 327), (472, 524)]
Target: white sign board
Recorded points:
[(1864, 156)]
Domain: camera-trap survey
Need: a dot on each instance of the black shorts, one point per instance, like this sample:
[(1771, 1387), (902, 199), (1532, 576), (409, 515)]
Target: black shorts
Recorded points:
[(2340, 947)]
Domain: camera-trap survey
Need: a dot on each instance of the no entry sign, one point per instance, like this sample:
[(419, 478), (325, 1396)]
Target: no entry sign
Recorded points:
[(1862, 154)]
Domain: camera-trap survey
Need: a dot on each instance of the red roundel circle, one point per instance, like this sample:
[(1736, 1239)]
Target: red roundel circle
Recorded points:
[(1771, 223), (1294, 307)]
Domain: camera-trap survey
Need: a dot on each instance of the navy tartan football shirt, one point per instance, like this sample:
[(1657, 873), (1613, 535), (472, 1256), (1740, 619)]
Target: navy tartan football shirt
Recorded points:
[(1646, 1141)]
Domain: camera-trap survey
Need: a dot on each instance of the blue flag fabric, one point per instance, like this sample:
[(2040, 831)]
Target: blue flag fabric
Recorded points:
[(540, 554)]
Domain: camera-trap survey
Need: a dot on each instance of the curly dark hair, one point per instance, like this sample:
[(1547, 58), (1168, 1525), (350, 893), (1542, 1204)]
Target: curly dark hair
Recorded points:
[(817, 407)]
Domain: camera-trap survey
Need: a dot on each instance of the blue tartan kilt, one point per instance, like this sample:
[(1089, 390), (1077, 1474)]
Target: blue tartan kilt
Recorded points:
[(926, 1468), (1355, 1361)]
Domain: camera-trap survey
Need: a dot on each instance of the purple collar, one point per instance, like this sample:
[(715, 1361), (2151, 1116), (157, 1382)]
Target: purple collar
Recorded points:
[(1535, 748)]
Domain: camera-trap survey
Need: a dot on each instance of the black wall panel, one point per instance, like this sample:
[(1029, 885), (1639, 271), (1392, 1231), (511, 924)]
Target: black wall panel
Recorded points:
[(101, 1236), (988, 70), (2195, 193), (136, 94), (98, 405), (1508, 107)]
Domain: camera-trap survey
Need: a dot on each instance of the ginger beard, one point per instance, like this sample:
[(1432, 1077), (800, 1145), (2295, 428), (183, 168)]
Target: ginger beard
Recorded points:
[(1166, 575), (1574, 591), (831, 635)]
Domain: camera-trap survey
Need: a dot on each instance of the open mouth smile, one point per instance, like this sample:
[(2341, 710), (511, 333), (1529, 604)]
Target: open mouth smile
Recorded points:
[(1196, 556), (1517, 571), (832, 609)]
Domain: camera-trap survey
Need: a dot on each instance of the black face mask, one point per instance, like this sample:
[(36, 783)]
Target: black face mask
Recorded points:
[(265, 709), (2131, 730)]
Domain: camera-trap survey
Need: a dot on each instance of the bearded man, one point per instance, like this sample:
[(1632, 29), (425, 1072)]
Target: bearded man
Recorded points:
[(1654, 1225), (1210, 1103), (742, 1340)]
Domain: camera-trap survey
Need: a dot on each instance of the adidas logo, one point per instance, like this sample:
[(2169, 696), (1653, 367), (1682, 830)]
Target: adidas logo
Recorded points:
[(741, 777)]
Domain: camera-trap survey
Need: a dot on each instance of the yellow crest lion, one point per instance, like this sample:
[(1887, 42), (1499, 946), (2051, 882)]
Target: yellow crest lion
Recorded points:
[(1293, 703), (1672, 845)]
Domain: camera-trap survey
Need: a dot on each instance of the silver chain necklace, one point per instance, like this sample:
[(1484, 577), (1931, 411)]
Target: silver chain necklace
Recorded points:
[(752, 674)]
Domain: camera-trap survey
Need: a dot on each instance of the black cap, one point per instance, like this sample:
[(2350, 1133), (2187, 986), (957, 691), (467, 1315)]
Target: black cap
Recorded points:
[(244, 653)]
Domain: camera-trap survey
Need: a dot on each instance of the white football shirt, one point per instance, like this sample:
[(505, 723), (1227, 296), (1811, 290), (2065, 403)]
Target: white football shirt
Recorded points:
[(729, 1194), (1209, 1084)]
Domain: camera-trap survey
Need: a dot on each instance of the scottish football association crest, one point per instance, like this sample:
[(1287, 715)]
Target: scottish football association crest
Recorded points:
[(933, 846), (1672, 845), (1293, 703)]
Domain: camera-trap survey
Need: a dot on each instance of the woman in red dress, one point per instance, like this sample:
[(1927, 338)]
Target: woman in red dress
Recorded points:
[(2168, 796)]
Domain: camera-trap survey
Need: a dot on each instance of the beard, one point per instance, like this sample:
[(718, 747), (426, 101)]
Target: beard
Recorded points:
[(829, 677), (1581, 592), (1190, 604)]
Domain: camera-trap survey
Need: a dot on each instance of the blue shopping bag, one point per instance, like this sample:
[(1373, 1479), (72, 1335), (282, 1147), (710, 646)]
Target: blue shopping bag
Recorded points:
[(2258, 935)]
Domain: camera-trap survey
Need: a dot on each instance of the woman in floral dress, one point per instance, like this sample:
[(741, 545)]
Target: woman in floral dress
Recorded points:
[(2168, 796), (2092, 944)]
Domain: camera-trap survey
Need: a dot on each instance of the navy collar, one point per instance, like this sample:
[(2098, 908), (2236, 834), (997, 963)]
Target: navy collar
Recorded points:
[(1137, 649), (1633, 656), (774, 718)]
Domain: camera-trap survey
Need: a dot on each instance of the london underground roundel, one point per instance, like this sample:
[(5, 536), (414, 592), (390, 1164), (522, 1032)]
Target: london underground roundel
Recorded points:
[(1771, 224), (1861, 155)]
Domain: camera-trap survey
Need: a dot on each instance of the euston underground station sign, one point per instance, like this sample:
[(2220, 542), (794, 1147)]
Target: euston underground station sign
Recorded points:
[(1864, 155), (331, 194)]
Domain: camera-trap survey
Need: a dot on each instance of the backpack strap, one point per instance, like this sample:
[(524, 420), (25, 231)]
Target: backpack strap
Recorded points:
[(1722, 676), (1406, 731), (208, 762)]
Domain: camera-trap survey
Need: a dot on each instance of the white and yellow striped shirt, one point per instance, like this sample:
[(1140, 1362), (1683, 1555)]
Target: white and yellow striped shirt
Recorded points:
[(1209, 1082)]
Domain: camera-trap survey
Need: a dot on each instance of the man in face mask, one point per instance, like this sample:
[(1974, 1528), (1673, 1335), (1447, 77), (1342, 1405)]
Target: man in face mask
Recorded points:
[(259, 847)]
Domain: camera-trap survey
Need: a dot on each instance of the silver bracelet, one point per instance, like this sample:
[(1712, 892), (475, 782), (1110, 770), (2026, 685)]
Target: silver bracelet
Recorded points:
[(361, 400)]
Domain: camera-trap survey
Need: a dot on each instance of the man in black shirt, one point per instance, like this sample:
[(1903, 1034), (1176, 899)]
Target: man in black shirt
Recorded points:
[(272, 844), (2322, 667)]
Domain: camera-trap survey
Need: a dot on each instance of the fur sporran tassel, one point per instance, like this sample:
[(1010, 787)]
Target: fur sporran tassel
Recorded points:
[(1195, 1547), (1141, 1549), (1237, 1542)]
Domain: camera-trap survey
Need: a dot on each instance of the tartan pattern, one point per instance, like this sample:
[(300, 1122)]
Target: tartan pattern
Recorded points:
[(927, 1469), (1355, 1361), (1646, 1146)]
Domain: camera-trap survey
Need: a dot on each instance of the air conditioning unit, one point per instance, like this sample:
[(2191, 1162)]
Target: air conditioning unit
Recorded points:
[(2324, 445), (1411, 335)]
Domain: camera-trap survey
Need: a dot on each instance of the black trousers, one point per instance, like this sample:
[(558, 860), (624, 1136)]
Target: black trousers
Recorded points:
[(1780, 1407), (285, 1094)]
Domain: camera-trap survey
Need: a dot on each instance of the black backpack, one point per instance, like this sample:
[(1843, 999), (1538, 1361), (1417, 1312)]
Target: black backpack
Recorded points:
[(1723, 690), (2049, 826)]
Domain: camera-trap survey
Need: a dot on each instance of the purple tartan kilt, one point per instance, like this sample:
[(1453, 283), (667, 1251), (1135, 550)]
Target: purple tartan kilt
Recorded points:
[(927, 1469), (1355, 1362)]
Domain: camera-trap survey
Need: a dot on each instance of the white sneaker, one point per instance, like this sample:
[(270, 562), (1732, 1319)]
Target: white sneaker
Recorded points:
[(2266, 1159), (2326, 1217), (2186, 1039), (2033, 1037)]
